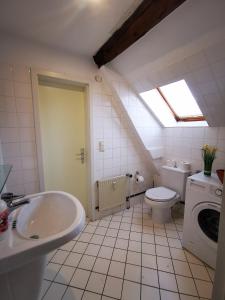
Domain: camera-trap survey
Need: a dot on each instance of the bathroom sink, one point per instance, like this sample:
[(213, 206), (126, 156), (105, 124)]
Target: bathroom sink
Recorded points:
[(51, 214), (48, 221)]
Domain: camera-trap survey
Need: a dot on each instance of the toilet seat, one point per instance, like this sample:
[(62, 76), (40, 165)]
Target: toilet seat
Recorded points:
[(160, 194)]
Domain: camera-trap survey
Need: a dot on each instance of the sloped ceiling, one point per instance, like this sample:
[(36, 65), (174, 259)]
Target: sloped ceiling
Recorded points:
[(189, 44)]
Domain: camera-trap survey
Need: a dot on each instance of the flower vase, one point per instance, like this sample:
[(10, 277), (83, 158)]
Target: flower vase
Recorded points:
[(208, 168)]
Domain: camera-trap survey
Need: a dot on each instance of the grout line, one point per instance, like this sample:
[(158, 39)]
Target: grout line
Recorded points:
[(121, 215)]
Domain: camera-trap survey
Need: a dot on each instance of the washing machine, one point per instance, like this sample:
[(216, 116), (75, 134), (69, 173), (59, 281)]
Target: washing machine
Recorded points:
[(201, 216)]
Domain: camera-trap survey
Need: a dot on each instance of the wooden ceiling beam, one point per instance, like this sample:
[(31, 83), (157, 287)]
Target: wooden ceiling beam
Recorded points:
[(148, 14)]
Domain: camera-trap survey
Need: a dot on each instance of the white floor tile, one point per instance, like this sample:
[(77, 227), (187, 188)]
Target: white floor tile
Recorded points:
[(172, 234), (109, 241), (146, 291), (136, 228), (167, 281), (112, 232), (119, 255), (96, 283), (92, 249), (68, 246), (91, 296), (204, 288), (116, 218), (135, 236), (97, 239), (199, 272), (134, 258), (51, 271), (85, 237), (166, 295), (64, 275), (101, 265), (148, 238), (114, 225), (73, 294), (121, 244), (175, 243), (113, 287), (161, 240), (73, 259), (80, 278), (116, 269), (178, 254), (148, 248), (87, 262), (150, 277), (211, 273), (123, 234), (165, 264), (147, 229), (125, 226), (104, 223), (133, 273), (55, 292), (105, 252), (45, 285), (60, 257), (101, 230), (186, 285), (134, 246), (131, 290), (163, 251), (90, 229), (149, 261), (160, 231), (193, 259), (181, 268), (80, 247)]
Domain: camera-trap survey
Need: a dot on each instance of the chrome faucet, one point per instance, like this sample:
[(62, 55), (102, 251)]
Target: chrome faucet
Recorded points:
[(14, 201)]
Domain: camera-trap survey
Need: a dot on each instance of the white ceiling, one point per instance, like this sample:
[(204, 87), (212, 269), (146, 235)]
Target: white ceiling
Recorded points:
[(75, 26)]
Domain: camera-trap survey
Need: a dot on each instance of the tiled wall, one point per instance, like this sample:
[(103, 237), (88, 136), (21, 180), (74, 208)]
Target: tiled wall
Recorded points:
[(17, 128), (186, 143), (121, 154), (144, 124)]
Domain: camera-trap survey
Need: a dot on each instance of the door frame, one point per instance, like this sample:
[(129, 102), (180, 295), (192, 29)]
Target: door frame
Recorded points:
[(86, 84)]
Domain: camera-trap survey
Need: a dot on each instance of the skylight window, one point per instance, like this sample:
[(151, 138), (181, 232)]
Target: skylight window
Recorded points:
[(181, 100), (174, 104)]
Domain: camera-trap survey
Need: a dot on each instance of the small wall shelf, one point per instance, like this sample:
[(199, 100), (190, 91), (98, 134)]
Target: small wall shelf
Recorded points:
[(4, 173)]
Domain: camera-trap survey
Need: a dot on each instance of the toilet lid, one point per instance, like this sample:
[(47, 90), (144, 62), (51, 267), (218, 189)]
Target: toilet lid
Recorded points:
[(160, 194)]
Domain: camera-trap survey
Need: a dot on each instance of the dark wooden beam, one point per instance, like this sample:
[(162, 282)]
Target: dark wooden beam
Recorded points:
[(148, 14)]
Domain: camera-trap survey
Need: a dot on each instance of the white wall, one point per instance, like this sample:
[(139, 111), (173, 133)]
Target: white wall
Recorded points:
[(186, 143), (122, 151), (145, 125)]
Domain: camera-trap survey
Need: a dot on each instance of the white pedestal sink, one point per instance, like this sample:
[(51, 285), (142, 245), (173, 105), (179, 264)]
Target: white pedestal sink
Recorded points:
[(50, 220)]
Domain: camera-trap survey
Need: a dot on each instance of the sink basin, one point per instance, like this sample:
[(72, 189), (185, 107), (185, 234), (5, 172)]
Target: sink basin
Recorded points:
[(47, 215), (50, 220)]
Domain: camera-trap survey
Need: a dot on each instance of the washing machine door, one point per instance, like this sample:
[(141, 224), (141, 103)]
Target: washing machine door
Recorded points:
[(206, 217)]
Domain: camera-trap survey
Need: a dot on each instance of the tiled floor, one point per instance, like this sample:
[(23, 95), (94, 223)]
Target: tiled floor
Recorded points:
[(125, 256)]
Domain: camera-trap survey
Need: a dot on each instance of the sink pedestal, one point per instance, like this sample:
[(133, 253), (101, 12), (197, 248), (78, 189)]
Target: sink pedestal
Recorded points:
[(23, 283)]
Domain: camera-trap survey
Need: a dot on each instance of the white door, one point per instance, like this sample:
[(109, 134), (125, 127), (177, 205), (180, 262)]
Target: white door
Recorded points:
[(62, 123)]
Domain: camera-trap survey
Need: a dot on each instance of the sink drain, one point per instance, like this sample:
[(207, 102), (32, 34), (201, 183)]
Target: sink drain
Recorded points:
[(35, 237)]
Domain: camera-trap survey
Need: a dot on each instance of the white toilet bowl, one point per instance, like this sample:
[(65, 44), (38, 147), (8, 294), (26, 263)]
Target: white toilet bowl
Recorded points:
[(160, 200)]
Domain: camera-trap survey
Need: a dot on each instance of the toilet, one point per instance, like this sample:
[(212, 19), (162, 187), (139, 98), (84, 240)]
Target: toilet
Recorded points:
[(161, 199)]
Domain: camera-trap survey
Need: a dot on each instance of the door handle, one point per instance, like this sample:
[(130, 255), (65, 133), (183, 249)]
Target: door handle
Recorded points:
[(81, 156)]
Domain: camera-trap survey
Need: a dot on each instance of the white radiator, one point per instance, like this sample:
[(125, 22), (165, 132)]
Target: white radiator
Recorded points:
[(112, 192)]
